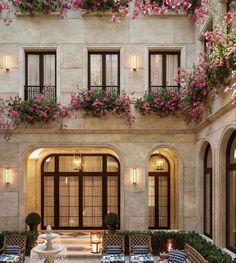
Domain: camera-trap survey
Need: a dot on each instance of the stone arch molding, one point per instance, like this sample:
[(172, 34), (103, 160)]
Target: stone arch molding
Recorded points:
[(220, 174), (24, 153)]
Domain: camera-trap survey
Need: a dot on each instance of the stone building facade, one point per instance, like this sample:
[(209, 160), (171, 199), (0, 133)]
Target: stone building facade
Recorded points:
[(182, 145)]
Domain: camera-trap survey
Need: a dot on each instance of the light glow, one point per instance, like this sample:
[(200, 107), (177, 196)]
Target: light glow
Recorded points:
[(7, 63), (7, 176), (134, 175), (135, 59)]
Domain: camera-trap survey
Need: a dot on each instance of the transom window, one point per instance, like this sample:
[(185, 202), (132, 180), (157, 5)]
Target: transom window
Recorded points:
[(79, 190), (104, 71), (231, 194), (40, 74), (163, 70)]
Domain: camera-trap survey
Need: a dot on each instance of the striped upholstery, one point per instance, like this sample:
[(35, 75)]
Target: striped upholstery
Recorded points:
[(12, 249), (141, 258), (9, 258), (140, 249), (177, 256), (113, 258), (113, 249)]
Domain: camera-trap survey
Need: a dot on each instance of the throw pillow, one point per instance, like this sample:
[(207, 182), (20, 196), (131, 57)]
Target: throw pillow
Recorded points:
[(140, 250), (12, 249), (177, 256), (113, 249)]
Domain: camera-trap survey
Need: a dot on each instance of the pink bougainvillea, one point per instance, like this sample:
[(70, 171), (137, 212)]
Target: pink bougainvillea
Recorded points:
[(163, 102), (102, 103), (36, 110)]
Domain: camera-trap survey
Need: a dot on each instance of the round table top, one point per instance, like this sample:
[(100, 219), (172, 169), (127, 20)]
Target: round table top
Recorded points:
[(42, 250)]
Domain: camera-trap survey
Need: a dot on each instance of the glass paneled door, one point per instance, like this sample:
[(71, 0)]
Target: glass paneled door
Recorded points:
[(79, 190), (159, 193)]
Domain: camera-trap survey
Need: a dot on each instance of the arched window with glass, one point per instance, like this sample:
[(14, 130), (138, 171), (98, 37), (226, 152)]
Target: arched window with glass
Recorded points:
[(78, 190), (231, 193), (208, 191), (159, 192)]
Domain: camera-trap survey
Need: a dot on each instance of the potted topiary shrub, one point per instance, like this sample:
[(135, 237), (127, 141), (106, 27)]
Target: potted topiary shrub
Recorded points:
[(111, 220), (33, 220)]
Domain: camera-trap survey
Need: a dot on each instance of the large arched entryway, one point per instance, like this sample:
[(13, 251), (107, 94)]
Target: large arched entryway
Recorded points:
[(73, 188)]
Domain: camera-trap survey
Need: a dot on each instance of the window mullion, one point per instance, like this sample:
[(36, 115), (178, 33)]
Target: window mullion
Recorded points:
[(41, 72), (164, 70), (104, 71)]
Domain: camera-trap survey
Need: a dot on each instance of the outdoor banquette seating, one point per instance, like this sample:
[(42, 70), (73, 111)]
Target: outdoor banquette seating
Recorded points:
[(193, 255), (13, 249), (140, 249), (188, 255), (113, 248)]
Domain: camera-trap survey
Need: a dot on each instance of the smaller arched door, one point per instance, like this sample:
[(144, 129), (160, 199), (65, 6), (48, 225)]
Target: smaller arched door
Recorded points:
[(231, 193), (159, 192), (208, 191)]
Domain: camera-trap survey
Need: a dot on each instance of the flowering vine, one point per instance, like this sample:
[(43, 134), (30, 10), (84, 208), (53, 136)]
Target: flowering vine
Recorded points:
[(163, 102), (102, 103), (216, 68), (121, 7), (15, 111)]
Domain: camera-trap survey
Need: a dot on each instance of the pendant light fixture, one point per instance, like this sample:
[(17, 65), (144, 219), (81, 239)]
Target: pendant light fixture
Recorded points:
[(77, 162)]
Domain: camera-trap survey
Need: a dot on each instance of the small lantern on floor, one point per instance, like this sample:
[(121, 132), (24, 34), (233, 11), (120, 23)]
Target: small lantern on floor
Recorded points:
[(95, 240), (169, 245)]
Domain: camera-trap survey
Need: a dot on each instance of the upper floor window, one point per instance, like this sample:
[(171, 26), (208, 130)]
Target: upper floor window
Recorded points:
[(104, 71), (163, 69), (40, 74)]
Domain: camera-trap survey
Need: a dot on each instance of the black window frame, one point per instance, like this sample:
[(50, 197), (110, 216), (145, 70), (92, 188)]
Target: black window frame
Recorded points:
[(163, 53), (229, 167), (156, 176), (207, 172), (104, 87), (79, 174), (29, 91)]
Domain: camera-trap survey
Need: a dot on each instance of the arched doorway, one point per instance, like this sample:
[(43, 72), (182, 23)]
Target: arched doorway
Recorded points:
[(231, 193), (208, 191), (159, 192), (78, 190)]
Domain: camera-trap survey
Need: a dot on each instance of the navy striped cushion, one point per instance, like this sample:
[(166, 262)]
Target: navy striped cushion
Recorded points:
[(177, 256), (140, 250), (113, 249), (12, 249)]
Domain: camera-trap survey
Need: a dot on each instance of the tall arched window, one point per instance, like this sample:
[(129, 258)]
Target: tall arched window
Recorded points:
[(159, 192), (208, 192), (78, 190), (231, 193)]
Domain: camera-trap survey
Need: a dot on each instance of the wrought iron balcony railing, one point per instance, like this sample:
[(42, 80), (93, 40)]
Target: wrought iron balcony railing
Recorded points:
[(49, 92)]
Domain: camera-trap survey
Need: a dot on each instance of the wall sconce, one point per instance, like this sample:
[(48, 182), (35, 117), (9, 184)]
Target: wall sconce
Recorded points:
[(134, 179), (7, 63), (235, 153), (135, 62), (7, 176)]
